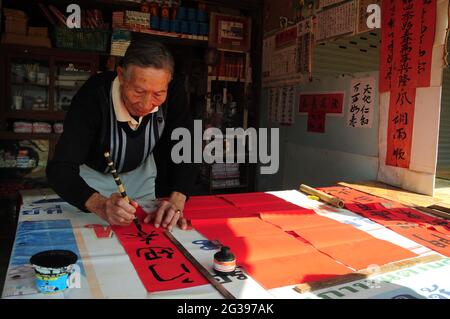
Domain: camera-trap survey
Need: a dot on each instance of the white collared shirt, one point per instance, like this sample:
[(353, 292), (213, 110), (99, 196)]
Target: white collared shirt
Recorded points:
[(120, 110)]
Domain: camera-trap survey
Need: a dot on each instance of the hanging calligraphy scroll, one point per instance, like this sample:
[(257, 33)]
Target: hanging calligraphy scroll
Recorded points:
[(388, 25), (427, 33), (407, 43), (411, 25), (400, 127)]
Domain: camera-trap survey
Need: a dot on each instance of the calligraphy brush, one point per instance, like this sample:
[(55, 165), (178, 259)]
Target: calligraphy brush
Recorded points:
[(120, 187)]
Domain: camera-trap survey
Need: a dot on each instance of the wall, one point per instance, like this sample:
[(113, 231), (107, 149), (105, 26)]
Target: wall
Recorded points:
[(341, 153), (360, 154)]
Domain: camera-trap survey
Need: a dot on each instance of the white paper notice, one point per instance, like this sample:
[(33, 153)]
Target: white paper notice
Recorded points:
[(362, 102)]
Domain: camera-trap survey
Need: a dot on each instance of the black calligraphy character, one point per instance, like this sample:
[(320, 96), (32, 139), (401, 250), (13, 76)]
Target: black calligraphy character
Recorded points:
[(381, 213), (364, 120), (363, 198), (334, 104), (442, 242), (391, 23), (399, 153), (364, 207), (356, 87), (401, 118), (159, 278), (355, 98), (406, 225), (367, 90), (402, 97), (151, 253), (400, 134), (144, 236), (354, 109), (409, 214)]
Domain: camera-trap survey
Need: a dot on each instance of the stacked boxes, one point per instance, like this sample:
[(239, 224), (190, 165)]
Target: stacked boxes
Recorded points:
[(137, 19), (225, 170), (120, 40), (17, 31), (16, 21), (190, 21)]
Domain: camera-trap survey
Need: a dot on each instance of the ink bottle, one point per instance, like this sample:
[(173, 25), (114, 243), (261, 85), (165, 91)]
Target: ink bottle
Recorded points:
[(224, 261)]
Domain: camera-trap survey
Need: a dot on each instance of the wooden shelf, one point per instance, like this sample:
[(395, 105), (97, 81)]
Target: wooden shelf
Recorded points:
[(28, 136), (218, 178), (67, 88), (31, 84), (225, 78), (36, 115), (170, 37)]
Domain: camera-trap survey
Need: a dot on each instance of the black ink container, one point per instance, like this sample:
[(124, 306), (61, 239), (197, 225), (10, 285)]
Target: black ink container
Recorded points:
[(224, 261)]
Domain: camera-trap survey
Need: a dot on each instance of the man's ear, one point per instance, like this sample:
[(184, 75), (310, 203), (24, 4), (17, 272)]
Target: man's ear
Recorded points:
[(120, 73)]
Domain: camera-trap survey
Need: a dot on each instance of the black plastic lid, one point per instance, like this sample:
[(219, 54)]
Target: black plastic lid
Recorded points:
[(224, 254), (54, 258)]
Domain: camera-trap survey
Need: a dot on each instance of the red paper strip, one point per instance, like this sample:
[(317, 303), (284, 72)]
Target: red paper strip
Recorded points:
[(428, 231), (400, 127), (261, 247), (295, 269), (296, 222), (428, 30), (350, 195), (389, 22), (351, 246), (249, 199), (324, 102), (429, 238), (205, 202), (234, 227), (318, 105), (214, 213), (316, 121), (159, 264), (273, 207)]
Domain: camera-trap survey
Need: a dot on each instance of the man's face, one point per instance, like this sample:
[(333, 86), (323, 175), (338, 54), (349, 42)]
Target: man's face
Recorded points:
[(143, 88)]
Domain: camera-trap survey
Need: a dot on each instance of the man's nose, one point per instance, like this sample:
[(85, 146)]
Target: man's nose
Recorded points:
[(148, 101)]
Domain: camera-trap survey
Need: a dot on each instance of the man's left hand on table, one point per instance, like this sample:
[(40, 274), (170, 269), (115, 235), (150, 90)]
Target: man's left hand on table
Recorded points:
[(169, 213)]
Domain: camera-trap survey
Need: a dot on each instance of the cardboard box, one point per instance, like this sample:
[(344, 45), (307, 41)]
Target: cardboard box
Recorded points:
[(16, 25), (38, 32), (11, 38), (14, 13)]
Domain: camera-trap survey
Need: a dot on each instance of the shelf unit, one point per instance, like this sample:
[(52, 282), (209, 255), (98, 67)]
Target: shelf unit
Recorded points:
[(190, 47), (54, 64)]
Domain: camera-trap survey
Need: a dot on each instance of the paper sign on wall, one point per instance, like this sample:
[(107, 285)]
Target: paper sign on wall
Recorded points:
[(362, 101), (335, 21)]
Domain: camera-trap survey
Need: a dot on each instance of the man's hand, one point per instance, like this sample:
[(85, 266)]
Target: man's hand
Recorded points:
[(115, 210), (169, 213)]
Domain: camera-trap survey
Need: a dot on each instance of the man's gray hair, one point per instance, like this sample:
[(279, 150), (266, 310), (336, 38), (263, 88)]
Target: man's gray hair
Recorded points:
[(147, 53)]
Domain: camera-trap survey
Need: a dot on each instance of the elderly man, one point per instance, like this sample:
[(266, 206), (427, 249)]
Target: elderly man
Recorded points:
[(130, 114)]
